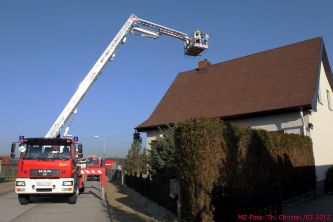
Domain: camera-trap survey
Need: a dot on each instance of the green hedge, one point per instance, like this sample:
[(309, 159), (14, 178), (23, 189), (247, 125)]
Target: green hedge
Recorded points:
[(198, 158), (212, 153), (260, 158)]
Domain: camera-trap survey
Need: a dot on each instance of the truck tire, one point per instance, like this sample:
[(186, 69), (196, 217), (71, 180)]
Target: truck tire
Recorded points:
[(23, 199), (73, 197)]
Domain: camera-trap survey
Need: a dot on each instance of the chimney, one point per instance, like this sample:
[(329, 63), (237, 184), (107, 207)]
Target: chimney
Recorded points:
[(203, 64)]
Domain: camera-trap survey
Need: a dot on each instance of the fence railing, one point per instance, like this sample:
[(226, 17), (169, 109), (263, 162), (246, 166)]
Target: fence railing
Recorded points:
[(155, 191), (230, 204), (8, 172)]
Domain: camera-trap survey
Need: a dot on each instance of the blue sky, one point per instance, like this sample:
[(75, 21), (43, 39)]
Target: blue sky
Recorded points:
[(47, 47)]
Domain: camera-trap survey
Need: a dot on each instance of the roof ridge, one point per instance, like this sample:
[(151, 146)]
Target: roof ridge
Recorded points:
[(256, 53), (269, 50)]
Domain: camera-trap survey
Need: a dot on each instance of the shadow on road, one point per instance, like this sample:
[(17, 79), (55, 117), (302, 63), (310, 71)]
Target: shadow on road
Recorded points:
[(48, 199)]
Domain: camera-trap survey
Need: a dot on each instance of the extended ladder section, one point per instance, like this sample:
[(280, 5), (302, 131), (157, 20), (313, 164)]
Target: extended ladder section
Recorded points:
[(193, 46)]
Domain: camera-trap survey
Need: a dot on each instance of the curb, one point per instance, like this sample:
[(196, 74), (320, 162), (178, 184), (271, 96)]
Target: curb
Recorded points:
[(108, 207)]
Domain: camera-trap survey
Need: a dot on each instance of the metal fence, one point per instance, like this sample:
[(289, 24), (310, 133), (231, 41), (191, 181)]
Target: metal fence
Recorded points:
[(156, 191), (8, 172), (230, 204)]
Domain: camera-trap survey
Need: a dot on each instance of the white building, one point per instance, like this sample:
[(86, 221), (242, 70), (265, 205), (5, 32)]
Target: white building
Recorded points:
[(286, 89)]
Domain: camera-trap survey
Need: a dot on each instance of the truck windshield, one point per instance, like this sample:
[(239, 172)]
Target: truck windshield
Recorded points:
[(92, 162), (37, 152)]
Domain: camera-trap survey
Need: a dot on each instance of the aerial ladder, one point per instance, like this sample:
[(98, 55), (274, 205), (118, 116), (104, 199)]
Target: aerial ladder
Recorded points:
[(193, 46), (37, 175)]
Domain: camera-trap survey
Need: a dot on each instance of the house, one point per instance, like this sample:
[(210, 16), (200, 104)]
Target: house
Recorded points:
[(5, 160), (286, 89)]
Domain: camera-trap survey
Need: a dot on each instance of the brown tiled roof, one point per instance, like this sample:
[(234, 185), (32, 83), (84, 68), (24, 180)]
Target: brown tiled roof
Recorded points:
[(5, 160), (276, 79)]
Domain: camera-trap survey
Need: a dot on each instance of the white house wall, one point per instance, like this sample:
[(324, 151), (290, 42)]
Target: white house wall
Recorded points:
[(288, 122), (322, 133)]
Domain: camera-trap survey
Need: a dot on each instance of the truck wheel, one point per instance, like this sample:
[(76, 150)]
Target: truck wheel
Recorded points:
[(23, 199), (73, 197)]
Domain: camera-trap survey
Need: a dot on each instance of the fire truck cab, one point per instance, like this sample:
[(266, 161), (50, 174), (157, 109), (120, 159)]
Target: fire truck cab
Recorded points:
[(47, 166)]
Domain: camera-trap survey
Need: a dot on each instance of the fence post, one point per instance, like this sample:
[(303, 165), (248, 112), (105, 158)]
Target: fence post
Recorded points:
[(122, 178), (0, 167), (102, 183), (175, 192), (179, 207), (12, 171)]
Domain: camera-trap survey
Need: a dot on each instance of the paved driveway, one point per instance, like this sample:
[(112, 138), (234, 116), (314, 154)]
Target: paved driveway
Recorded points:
[(320, 209)]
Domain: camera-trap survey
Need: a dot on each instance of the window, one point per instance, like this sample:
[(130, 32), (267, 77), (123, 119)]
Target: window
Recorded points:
[(329, 99), (39, 151)]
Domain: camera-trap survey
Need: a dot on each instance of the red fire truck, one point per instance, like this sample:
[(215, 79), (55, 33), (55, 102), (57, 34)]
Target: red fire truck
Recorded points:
[(92, 164), (47, 167)]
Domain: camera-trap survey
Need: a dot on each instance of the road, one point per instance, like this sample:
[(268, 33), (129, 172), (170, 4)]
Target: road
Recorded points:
[(89, 207)]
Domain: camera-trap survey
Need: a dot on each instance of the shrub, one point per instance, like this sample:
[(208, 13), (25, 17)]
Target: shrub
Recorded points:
[(136, 160), (161, 157), (212, 153), (198, 159), (260, 158)]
